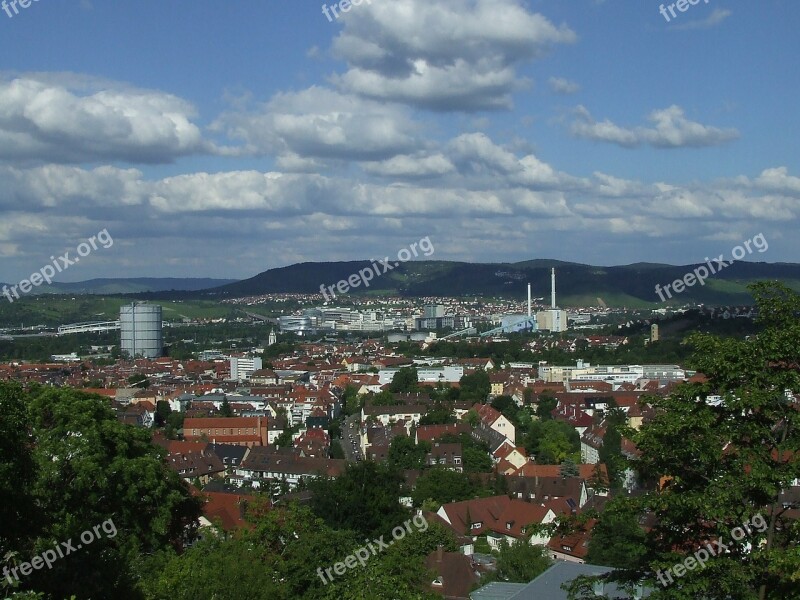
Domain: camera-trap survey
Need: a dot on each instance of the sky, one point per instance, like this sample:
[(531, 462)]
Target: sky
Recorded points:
[(222, 139)]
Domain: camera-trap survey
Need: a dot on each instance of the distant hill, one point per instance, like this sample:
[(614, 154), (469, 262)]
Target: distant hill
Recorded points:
[(577, 284), (134, 285)]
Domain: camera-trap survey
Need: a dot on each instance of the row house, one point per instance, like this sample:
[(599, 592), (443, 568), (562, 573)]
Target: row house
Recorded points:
[(573, 490), (431, 433), (391, 414), (508, 458), (375, 440), (591, 442), (263, 464), (448, 456), (194, 460), (573, 415), (240, 431), (572, 547), (495, 420)]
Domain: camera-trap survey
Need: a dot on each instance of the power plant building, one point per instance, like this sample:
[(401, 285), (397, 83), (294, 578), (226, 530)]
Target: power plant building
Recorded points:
[(553, 319), (141, 330)]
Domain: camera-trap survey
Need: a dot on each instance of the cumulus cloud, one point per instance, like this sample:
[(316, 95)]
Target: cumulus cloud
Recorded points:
[(478, 158), (670, 129), (57, 119), (447, 55), (320, 123), (559, 85), (494, 205), (411, 167)]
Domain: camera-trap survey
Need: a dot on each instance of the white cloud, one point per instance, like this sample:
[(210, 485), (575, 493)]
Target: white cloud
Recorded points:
[(559, 85), (670, 129), (717, 16), (447, 55), (319, 123), (411, 166), (53, 119)]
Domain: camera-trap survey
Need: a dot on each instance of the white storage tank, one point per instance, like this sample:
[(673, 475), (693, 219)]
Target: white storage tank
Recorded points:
[(141, 327)]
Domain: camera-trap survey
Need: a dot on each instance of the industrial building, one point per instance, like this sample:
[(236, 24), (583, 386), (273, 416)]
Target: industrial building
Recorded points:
[(141, 330), (553, 319)]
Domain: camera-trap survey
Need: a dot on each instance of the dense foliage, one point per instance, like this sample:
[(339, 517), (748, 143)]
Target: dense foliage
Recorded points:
[(724, 449), (69, 466)]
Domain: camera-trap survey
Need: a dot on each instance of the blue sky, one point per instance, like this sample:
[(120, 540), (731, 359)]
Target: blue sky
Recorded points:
[(222, 139)]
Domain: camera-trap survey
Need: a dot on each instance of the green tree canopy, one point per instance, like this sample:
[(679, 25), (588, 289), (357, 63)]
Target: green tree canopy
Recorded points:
[(725, 462), (443, 486), (405, 454), (475, 386), (364, 499), (405, 380), (521, 561), (89, 470)]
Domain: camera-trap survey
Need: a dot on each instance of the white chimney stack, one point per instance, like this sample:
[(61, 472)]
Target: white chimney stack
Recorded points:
[(529, 300), (553, 287)]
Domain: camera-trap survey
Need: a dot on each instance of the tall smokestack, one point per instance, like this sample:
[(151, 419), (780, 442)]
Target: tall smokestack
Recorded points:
[(553, 287), (529, 300)]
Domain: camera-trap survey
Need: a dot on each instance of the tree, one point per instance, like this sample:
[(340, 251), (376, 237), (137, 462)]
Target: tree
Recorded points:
[(472, 417), (547, 404), (336, 449), (17, 466), (440, 413), (551, 442), (617, 538), (384, 398), (162, 412), (443, 486), (89, 469), (725, 463), (363, 499), (405, 454), (225, 410), (568, 468), (475, 386), (521, 561), (173, 422), (476, 461), (214, 568), (610, 454), (398, 571), (350, 400), (507, 406), (405, 380), (286, 438)]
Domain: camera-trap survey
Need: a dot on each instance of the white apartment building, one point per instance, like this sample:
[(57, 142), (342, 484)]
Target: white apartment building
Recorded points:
[(242, 367)]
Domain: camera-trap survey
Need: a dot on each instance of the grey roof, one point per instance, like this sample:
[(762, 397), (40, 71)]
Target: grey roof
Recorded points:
[(497, 591), (548, 584)]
